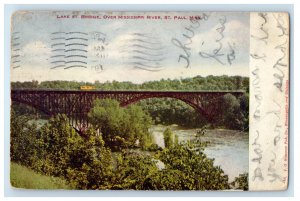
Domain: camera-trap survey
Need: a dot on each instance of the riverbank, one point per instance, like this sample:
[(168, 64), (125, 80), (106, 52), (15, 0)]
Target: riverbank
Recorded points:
[(229, 148)]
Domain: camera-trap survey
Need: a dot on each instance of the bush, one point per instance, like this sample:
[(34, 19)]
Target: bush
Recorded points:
[(131, 171), (166, 179), (153, 148), (241, 182), (196, 171)]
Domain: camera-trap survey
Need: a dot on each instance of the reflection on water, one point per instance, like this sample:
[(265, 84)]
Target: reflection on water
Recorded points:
[(229, 148)]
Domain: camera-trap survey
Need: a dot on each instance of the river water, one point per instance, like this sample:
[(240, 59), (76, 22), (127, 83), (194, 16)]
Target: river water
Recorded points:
[(229, 148)]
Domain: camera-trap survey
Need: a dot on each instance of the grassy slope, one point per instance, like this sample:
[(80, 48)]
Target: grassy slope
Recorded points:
[(22, 177)]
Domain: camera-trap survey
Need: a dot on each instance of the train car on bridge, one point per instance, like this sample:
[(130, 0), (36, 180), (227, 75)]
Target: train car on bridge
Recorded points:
[(86, 87)]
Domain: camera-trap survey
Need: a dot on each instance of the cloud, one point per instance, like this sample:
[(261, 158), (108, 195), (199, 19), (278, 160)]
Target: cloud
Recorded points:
[(35, 52), (234, 31), (36, 48), (117, 63)]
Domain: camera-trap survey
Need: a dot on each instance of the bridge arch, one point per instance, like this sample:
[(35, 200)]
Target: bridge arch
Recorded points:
[(197, 108)]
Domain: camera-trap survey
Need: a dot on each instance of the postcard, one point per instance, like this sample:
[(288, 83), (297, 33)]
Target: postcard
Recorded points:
[(149, 100)]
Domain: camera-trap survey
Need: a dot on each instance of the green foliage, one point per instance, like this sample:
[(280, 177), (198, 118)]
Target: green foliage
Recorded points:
[(168, 138), (82, 161), (131, 171), (196, 83), (86, 163), (153, 148), (57, 150), (107, 116), (187, 168), (172, 111), (232, 115), (23, 135), (22, 177), (195, 170), (121, 127), (176, 140), (166, 179), (241, 182), (244, 106)]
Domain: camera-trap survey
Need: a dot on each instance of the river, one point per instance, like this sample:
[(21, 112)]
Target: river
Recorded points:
[(229, 148)]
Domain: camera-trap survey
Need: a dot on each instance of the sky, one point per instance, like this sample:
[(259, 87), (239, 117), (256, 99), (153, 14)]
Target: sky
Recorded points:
[(107, 46)]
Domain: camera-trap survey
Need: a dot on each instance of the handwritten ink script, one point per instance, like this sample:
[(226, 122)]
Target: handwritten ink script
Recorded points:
[(218, 54), (188, 36), (269, 86), (219, 50)]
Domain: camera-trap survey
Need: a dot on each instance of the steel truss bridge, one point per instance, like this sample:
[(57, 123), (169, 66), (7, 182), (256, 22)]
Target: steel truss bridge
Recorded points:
[(76, 104)]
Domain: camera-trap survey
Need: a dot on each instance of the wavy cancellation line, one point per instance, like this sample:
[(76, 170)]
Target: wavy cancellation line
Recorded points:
[(80, 44), (147, 69), (77, 38), (75, 66), (77, 32), (145, 65), (59, 38), (146, 59), (81, 50)]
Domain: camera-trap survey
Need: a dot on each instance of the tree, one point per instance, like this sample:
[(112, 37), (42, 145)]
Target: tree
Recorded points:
[(232, 115), (137, 125), (168, 138), (121, 127), (244, 105), (107, 116), (22, 139)]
